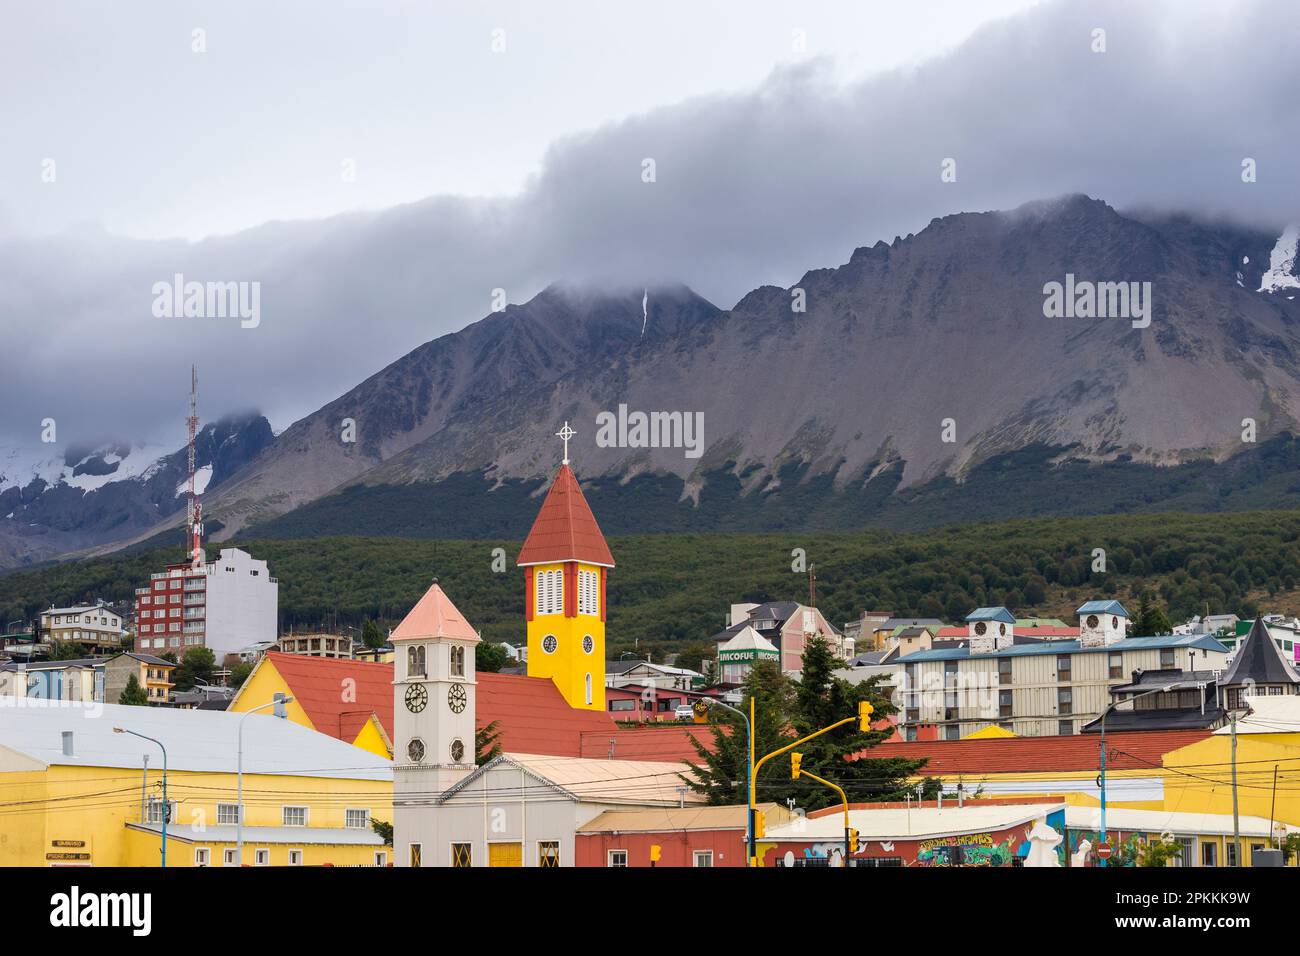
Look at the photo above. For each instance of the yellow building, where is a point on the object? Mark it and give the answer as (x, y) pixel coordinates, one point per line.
(566, 566)
(77, 793)
(349, 700)
(1198, 777)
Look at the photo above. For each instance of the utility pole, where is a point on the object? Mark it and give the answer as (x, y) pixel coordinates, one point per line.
(1236, 823)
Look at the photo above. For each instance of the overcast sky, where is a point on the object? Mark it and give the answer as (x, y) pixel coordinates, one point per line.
(524, 166)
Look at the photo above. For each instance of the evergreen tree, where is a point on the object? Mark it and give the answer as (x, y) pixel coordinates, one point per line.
(133, 695)
(722, 772)
(487, 742)
(371, 635)
(489, 656)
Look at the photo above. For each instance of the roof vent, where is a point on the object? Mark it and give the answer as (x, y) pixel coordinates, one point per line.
(67, 744)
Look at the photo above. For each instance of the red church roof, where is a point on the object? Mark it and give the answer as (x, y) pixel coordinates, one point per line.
(565, 529)
(317, 684)
(532, 715)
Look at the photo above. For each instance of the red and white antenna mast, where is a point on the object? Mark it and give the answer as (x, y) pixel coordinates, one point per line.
(194, 518)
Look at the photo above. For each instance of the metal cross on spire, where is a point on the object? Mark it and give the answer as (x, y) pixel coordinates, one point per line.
(566, 433)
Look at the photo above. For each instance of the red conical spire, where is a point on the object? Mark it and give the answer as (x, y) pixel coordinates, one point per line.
(565, 529)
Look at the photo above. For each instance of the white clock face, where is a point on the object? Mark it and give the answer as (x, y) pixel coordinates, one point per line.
(457, 698)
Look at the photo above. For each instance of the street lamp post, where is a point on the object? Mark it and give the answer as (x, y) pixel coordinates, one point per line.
(1157, 690)
(166, 806)
(278, 703)
(707, 702)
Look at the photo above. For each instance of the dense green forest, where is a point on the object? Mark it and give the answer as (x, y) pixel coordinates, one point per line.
(673, 589)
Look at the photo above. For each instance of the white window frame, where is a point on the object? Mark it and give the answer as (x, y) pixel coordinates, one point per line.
(229, 857)
(234, 807)
(702, 855)
(202, 856)
(292, 851)
(549, 591)
(284, 815)
(365, 821)
(381, 858)
(262, 856)
(610, 857)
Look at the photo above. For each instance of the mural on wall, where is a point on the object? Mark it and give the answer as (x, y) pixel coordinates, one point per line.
(968, 849)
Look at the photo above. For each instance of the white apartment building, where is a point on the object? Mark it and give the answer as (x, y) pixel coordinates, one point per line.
(224, 605)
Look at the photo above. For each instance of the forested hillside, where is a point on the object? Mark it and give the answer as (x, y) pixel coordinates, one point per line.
(671, 590)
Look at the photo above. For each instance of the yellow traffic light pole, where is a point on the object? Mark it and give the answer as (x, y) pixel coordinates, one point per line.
(797, 771)
(865, 711)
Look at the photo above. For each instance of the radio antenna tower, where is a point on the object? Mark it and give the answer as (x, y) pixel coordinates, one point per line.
(194, 517)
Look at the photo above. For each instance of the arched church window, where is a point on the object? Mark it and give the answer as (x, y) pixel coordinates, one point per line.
(415, 661)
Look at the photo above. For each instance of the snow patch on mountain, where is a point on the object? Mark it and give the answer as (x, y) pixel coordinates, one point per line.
(1281, 272)
(201, 478)
(19, 467)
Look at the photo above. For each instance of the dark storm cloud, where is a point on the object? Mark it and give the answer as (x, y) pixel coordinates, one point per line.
(750, 189)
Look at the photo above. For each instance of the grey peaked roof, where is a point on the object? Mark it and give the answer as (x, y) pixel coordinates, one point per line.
(1259, 660)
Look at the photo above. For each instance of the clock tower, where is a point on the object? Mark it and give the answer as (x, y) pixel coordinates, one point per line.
(433, 717)
(566, 565)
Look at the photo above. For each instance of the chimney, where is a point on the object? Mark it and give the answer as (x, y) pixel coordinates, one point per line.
(67, 744)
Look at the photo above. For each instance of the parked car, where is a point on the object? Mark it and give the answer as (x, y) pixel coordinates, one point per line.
(684, 712)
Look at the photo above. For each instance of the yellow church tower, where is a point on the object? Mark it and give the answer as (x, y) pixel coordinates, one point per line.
(566, 566)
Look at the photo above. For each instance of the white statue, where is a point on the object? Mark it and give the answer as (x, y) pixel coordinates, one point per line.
(1043, 841)
(1080, 856)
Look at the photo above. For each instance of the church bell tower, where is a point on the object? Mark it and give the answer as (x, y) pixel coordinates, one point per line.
(433, 719)
(566, 566)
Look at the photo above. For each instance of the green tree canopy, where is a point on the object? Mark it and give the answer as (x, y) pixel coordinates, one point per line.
(133, 695)
(196, 667)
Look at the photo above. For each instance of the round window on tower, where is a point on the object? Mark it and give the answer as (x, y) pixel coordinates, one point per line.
(1002, 629)
(415, 750)
(1092, 620)
(549, 643)
(457, 750)
(588, 645)
(1114, 623)
(980, 628)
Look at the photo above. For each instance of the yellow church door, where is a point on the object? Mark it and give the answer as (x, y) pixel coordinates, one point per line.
(505, 854)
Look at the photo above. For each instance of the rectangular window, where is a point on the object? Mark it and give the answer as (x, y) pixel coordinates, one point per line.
(1004, 703)
(461, 855)
(414, 851)
(703, 858)
(548, 853)
(202, 856)
(1116, 662)
(1063, 667)
(295, 857)
(227, 814)
(356, 819)
(227, 857)
(914, 715)
(1064, 701)
(458, 662)
(262, 858)
(617, 858)
(1230, 853)
(622, 705)
(1167, 659)
(550, 592)
(1209, 854)
(1004, 670)
(952, 732)
(1065, 728)
(294, 816)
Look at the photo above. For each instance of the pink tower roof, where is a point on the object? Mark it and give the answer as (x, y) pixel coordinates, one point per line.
(434, 616)
(565, 529)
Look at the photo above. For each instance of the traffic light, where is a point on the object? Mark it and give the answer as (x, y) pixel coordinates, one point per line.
(655, 851)
(865, 710)
(853, 841)
(700, 711)
(760, 829)
(795, 761)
